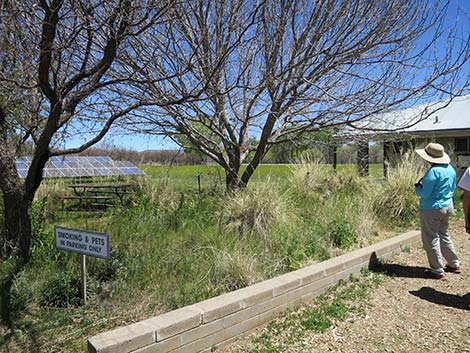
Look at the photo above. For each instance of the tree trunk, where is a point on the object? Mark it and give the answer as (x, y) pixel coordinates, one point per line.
(232, 180)
(232, 170)
(17, 223)
(16, 250)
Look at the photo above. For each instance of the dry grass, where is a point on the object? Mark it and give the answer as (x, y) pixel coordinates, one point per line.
(400, 313)
(158, 191)
(308, 175)
(259, 209)
(396, 199)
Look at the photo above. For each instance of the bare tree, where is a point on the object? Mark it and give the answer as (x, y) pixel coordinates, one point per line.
(278, 68)
(59, 76)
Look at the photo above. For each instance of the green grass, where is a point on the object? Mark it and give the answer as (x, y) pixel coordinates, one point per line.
(188, 173)
(172, 246)
(337, 304)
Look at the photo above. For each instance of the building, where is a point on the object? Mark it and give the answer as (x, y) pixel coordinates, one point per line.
(444, 122)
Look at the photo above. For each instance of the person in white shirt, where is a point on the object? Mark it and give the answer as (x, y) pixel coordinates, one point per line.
(464, 184)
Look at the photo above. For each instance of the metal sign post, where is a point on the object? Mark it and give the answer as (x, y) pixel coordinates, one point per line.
(85, 243)
(199, 182)
(83, 275)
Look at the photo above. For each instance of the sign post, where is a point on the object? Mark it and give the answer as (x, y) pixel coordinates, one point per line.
(85, 243)
(83, 275)
(199, 182)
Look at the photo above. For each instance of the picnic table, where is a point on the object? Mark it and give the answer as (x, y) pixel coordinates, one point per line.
(98, 195)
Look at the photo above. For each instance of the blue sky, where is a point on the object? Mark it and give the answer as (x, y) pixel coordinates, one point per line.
(147, 142)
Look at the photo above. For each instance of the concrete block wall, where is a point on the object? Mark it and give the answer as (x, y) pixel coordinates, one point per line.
(215, 322)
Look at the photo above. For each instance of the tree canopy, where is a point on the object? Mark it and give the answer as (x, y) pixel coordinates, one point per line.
(277, 69)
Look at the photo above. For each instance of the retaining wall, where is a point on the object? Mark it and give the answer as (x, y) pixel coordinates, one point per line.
(206, 325)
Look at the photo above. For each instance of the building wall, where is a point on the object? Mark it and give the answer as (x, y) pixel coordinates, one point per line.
(460, 161)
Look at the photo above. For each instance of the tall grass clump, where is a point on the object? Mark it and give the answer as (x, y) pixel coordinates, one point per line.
(256, 209)
(396, 199)
(234, 269)
(156, 191)
(309, 176)
(52, 189)
(335, 204)
(311, 179)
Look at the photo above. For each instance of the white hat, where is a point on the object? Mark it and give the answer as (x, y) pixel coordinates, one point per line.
(434, 153)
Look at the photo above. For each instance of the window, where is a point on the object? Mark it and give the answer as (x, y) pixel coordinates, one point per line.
(462, 145)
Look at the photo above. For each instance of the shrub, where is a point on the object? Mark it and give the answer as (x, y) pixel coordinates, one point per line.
(157, 192)
(233, 270)
(342, 233)
(257, 209)
(301, 249)
(396, 199)
(61, 291)
(309, 176)
(106, 270)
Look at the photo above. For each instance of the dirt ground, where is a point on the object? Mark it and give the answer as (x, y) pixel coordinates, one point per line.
(406, 313)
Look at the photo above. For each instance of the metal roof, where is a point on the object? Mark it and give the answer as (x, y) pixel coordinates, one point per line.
(438, 118)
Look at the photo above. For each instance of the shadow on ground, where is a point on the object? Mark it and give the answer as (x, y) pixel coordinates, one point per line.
(437, 297)
(426, 293)
(395, 270)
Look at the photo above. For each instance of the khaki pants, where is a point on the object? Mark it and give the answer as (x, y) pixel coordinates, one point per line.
(436, 240)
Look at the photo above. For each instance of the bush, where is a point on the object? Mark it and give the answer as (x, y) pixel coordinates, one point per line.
(106, 270)
(258, 209)
(302, 248)
(42, 242)
(342, 234)
(61, 291)
(309, 177)
(396, 199)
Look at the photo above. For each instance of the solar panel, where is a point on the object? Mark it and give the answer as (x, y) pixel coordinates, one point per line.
(77, 166)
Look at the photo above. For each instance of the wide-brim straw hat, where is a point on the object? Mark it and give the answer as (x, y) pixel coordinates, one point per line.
(434, 153)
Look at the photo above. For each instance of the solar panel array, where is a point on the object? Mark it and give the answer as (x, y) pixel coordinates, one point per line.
(78, 166)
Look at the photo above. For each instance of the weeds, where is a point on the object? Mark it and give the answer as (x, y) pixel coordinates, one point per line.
(176, 246)
(396, 198)
(259, 209)
(324, 312)
(62, 291)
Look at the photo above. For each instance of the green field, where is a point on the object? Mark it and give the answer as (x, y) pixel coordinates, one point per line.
(211, 174)
(172, 245)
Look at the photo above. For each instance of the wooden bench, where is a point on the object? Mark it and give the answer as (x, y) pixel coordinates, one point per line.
(119, 193)
(118, 190)
(94, 200)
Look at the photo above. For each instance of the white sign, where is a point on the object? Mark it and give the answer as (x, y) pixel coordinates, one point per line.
(82, 241)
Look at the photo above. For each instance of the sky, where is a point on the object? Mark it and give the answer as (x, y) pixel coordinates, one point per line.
(142, 142)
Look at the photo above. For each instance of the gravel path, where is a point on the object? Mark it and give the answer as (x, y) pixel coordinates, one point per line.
(405, 313)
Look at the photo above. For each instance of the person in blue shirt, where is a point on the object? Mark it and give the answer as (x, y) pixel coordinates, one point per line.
(435, 191)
